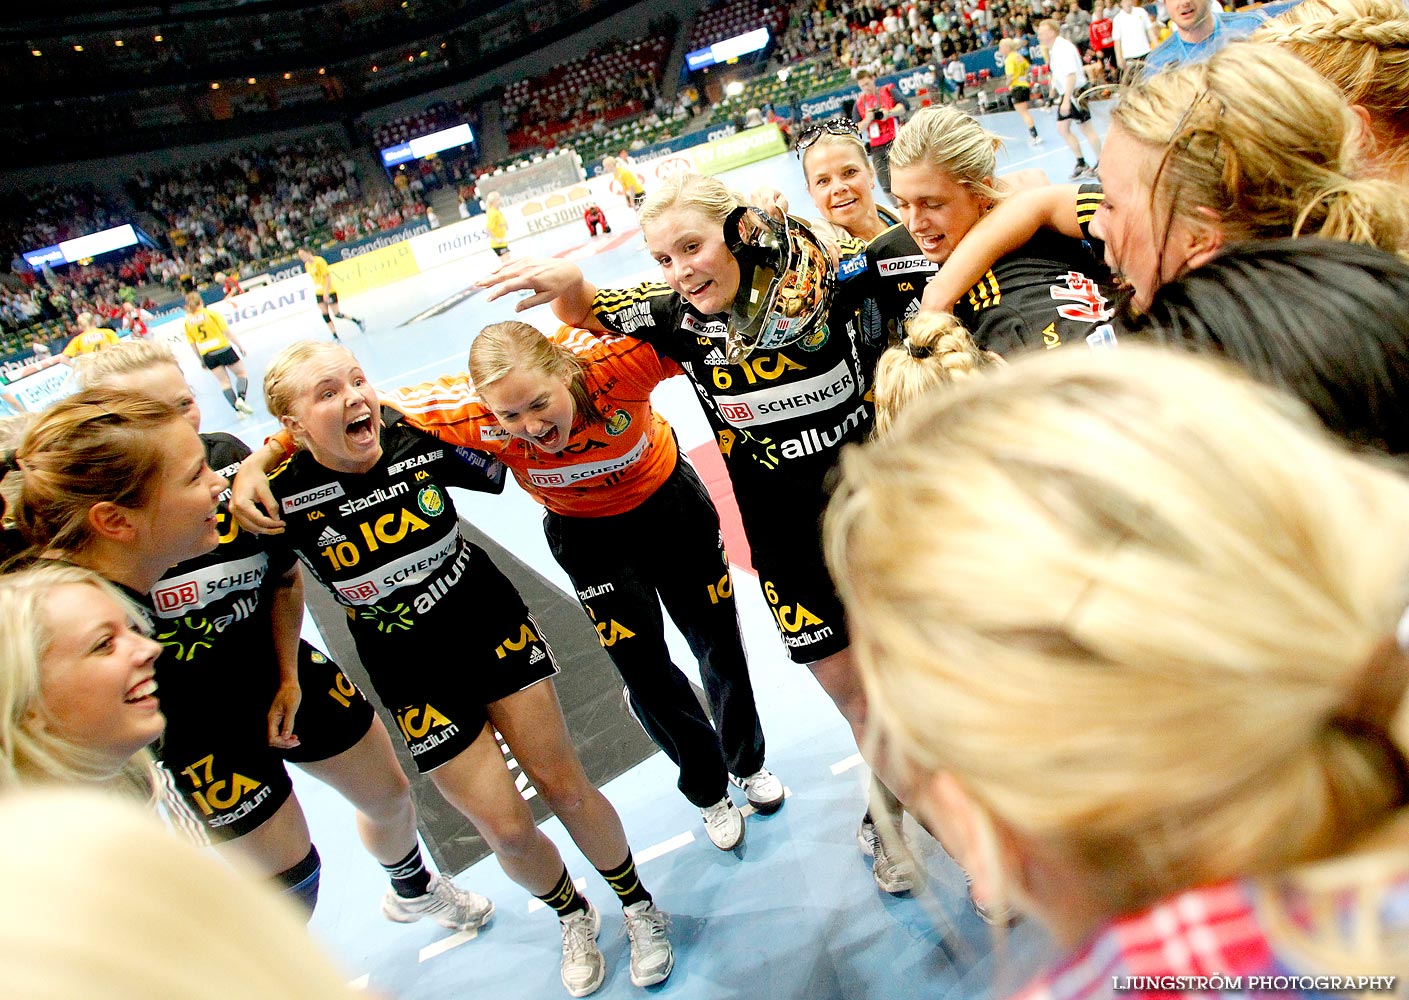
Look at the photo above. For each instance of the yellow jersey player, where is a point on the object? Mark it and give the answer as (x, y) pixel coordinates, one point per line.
(631, 185)
(215, 345)
(496, 225)
(91, 337)
(322, 275)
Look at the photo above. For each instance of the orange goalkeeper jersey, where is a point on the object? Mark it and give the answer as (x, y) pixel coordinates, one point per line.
(606, 468)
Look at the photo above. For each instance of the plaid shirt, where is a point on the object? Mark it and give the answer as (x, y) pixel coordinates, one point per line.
(1213, 931)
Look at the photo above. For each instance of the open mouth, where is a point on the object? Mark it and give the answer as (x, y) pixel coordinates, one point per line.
(548, 440)
(699, 290)
(361, 430)
(929, 244)
(840, 206)
(141, 692)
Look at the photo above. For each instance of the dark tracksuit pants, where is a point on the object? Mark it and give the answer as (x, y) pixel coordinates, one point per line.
(669, 551)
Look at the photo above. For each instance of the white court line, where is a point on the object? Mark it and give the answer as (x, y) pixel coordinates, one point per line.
(665, 847)
(445, 944)
(360, 983)
(842, 766)
(535, 904)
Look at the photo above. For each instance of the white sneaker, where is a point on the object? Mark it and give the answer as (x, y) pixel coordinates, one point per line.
(446, 903)
(244, 407)
(583, 965)
(724, 824)
(1034, 140)
(763, 790)
(652, 958)
(892, 867)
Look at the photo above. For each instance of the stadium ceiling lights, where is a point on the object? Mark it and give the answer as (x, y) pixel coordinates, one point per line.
(35, 52)
(215, 86)
(117, 42)
(156, 38)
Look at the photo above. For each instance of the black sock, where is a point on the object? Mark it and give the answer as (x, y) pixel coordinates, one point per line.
(301, 881)
(1033, 130)
(409, 876)
(564, 897)
(625, 882)
(229, 395)
(241, 386)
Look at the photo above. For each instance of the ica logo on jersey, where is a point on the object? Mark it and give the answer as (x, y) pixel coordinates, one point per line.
(233, 798)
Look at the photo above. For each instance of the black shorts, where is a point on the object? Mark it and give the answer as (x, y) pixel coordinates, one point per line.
(223, 358)
(217, 747)
(1019, 94)
(501, 251)
(637, 198)
(436, 670)
(326, 298)
(1078, 112)
(787, 555)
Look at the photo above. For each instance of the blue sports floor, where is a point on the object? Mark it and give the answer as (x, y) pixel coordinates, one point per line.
(794, 913)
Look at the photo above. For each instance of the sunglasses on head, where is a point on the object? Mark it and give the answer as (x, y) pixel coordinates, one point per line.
(834, 126)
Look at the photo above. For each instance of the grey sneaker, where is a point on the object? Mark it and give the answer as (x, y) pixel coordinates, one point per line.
(652, 958)
(892, 867)
(583, 965)
(724, 824)
(446, 903)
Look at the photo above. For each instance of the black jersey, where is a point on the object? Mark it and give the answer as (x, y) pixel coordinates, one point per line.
(785, 411)
(214, 609)
(1053, 291)
(896, 275)
(385, 543)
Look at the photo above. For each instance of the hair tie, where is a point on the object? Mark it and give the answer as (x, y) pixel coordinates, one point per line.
(917, 351)
(9, 462)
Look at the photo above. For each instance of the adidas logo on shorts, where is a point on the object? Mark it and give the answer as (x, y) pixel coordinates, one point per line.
(330, 537)
(536, 655)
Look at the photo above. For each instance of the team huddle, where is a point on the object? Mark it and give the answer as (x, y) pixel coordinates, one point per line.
(1047, 486)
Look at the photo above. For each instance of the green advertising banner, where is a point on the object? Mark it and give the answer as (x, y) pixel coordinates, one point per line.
(734, 151)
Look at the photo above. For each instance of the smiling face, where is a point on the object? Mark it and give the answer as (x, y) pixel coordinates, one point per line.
(936, 209)
(179, 518)
(1138, 246)
(164, 383)
(694, 261)
(336, 413)
(842, 181)
(97, 686)
(533, 406)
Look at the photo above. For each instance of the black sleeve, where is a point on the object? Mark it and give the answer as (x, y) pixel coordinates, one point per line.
(1004, 331)
(650, 312)
(1088, 200)
(466, 468)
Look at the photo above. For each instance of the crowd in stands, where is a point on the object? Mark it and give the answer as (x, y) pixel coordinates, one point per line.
(49, 213)
(235, 214)
(736, 18)
(437, 116)
(617, 81)
(252, 205)
(893, 38)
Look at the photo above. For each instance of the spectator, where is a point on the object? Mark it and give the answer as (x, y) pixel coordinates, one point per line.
(1068, 79)
(1132, 36)
(1200, 30)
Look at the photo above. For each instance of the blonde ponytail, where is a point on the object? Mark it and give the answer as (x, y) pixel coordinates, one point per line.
(937, 350)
